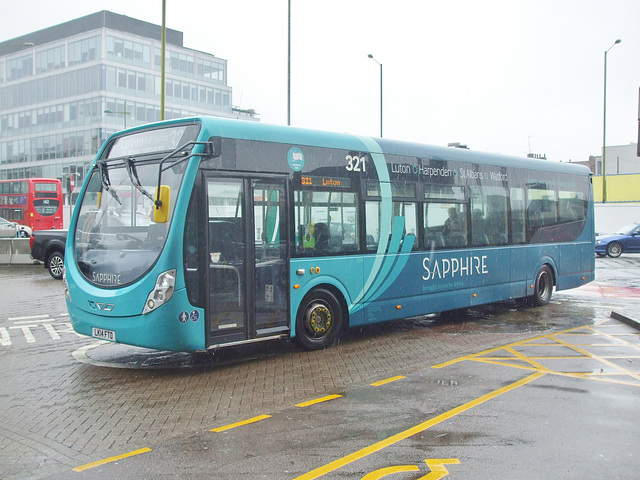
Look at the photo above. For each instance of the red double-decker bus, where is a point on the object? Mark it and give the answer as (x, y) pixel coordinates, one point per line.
(34, 202)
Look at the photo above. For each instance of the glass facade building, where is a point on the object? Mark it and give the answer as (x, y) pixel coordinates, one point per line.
(66, 88)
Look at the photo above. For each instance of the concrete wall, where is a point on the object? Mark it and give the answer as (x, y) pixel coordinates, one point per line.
(14, 251)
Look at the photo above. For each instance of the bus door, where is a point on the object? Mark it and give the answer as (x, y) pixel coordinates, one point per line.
(247, 255)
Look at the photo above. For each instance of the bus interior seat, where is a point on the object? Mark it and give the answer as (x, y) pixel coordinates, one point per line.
(481, 239)
(518, 238)
(457, 240)
(323, 237)
(434, 239)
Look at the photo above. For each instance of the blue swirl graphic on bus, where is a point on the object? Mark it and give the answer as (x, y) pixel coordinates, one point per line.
(388, 264)
(295, 158)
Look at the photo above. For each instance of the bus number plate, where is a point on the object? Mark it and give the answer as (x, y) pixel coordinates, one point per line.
(103, 334)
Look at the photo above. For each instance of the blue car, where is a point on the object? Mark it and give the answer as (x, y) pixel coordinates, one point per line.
(626, 239)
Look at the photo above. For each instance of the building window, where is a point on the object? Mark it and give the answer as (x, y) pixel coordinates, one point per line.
(50, 59)
(19, 67)
(128, 51)
(85, 50)
(210, 70)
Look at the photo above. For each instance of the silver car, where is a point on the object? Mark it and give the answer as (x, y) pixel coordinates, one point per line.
(11, 229)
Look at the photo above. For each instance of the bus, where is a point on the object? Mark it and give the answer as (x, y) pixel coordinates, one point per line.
(198, 233)
(34, 202)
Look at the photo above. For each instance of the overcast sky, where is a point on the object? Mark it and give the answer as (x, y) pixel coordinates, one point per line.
(498, 75)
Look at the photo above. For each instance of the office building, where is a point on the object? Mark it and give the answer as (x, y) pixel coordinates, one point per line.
(66, 88)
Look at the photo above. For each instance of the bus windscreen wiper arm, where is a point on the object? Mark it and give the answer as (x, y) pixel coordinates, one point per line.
(106, 183)
(133, 176)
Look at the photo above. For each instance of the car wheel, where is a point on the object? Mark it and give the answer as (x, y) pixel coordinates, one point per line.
(614, 249)
(543, 287)
(55, 265)
(319, 320)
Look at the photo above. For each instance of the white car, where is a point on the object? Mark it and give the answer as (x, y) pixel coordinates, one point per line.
(11, 229)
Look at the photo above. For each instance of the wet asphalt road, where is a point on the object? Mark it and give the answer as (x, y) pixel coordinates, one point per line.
(495, 392)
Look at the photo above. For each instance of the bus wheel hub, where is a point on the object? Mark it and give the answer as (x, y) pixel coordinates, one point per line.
(319, 318)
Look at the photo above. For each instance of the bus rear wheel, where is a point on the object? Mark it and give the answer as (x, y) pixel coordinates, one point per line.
(319, 320)
(543, 287)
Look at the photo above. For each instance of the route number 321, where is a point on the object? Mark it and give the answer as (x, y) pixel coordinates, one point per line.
(356, 164)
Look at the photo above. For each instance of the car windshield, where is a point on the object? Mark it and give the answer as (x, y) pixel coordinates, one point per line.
(628, 229)
(116, 240)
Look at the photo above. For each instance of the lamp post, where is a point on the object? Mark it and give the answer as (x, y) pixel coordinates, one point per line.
(23, 45)
(371, 57)
(289, 64)
(70, 184)
(163, 49)
(604, 127)
(125, 113)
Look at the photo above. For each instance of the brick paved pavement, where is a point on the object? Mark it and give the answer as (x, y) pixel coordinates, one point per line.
(57, 413)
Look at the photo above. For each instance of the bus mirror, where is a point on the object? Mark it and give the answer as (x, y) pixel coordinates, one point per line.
(161, 212)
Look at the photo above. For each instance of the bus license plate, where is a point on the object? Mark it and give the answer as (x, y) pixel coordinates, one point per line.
(103, 334)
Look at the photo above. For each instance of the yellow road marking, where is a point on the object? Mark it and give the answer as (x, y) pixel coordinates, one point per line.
(336, 464)
(388, 380)
(520, 343)
(578, 352)
(240, 424)
(602, 360)
(383, 472)
(318, 400)
(616, 337)
(437, 467)
(526, 359)
(82, 468)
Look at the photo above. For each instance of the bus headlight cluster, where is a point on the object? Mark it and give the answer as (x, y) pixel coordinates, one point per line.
(162, 292)
(65, 286)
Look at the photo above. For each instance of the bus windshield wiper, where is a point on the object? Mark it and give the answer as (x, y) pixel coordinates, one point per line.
(133, 176)
(106, 183)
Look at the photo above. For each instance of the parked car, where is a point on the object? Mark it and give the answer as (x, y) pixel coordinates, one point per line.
(48, 246)
(12, 229)
(626, 239)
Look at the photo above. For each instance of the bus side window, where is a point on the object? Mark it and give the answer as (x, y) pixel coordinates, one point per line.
(516, 199)
(372, 228)
(408, 211)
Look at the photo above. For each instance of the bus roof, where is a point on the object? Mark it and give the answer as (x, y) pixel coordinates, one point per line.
(244, 130)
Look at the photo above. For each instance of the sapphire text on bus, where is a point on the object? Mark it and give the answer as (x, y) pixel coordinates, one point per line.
(444, 268)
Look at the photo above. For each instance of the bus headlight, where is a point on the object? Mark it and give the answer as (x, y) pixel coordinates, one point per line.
(162, 292)
(65, 286)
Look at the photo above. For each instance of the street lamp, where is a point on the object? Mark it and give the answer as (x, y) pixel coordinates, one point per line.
(289, 64)
(25, 44)
(125, 113)
(604, 127)
(371, 57)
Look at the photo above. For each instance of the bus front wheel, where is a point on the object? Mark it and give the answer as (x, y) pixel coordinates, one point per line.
(319, 320)
(543, 287)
